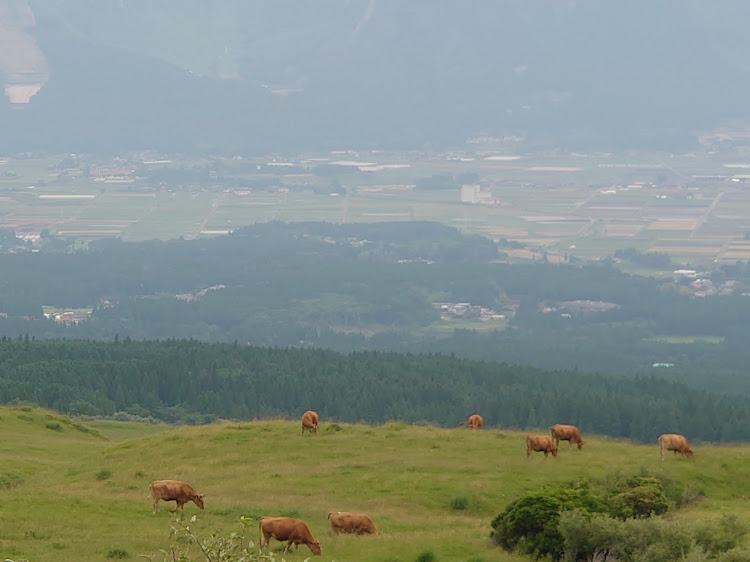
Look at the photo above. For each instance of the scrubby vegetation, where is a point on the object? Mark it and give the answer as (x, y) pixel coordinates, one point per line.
(617, 519)
(187, 546)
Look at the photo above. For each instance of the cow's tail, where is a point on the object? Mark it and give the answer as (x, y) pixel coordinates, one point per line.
(150, 492)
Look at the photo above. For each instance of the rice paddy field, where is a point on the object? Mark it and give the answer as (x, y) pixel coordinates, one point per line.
(695, 208)
(77, 490)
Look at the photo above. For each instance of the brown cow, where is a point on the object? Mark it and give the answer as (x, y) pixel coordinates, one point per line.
(169, 490)
(567, 433)
(475, 421)
(346, 522)
(541, 443)
(676, 443)
(293, 531)
(310, 422)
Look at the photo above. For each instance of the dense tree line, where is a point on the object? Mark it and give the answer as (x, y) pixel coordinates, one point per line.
(189, 381)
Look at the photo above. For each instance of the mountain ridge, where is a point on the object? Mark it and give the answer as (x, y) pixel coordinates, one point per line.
(382, 74)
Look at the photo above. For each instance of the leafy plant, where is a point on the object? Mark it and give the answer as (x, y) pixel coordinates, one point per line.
(426, 556)
(644, 497)
(10, 481)
(602, 537)
(459, 503)
(187, 546)
(103, 474)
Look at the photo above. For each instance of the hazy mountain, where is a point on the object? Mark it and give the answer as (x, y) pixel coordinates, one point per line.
(290, 74)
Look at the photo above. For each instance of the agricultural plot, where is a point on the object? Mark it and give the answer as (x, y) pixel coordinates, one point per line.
(581, 205)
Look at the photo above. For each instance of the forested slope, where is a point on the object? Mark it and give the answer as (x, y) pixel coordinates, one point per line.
(358, 287)
(374, 287)
(189, 381)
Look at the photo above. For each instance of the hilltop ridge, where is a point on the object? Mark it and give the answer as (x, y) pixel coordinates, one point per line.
(404, 476)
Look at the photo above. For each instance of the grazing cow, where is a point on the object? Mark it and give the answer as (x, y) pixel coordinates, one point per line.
(293, 531)
(169, 490)
(346, 522)
(676, 443)
(475, 421)
(567, 433)
(310, 422)
(541, 443)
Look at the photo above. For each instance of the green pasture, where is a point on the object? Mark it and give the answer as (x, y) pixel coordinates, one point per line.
(77, 491)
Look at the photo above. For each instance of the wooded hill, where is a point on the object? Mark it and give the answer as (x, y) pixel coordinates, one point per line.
(193, 382)
(356, 287)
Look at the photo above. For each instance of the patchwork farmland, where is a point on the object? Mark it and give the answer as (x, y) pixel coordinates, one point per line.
(697, 210)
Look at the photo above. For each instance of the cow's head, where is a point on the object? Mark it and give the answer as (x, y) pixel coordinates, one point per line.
(580, 444)
(554, 451)
(315, 547)
(198, 499)
(689, 453)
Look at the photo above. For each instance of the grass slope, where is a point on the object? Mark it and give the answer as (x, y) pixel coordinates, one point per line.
(78, 492)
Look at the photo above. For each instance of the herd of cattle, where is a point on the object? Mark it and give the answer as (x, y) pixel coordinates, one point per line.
(295, 531)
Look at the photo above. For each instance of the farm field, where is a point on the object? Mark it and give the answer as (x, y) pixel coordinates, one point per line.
(77, 490)
(694, 208)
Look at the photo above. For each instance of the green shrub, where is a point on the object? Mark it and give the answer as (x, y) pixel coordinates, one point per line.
(53, 425)
(586, 536)
(103, 474)
(530, 524)
(426, 556)
(333, 427)
(722, 534)
(10, 480)
(735, 555)
(459, 503)
(118, 553)
(643, 497)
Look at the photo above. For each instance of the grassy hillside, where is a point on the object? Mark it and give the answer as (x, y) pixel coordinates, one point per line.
(72, 491)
